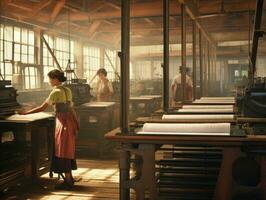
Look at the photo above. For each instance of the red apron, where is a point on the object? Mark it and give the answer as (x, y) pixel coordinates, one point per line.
(65, 135)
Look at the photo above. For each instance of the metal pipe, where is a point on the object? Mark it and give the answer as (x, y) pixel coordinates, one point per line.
(124, 68)
(125, 25)
(124, 166)
(194, 43)
(201, 64)
(183, 51)
(166, 55)
(209, 68)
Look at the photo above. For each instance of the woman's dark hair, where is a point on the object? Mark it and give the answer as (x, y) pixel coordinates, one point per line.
(102, 71)
(57, 74)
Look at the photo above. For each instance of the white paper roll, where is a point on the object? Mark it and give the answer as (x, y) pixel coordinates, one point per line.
(191, 117)
(219, 98)
(214, 100)
(207, 102)
(187, 128)
(226, 110)
(189, 134)
(208, 107)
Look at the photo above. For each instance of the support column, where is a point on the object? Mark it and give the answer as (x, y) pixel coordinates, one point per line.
(194, 43)
(125, 43)
(201, 64)
(183, 52)
(209, 68)
(166, 55)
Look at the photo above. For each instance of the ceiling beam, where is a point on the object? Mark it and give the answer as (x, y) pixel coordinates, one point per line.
(56, 10)
(93, 27)
(147, 9)
(193, 12)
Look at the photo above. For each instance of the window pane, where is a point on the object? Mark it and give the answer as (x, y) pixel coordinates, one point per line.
(8, 33)
(31, 37)
(24, 36)
(24, 49)
(8, 50)
(17, 34)
(1, 31)
(24, 58)
(31, 50)
(8, 68)
(17, 57)
(31, 58)
(17, 48)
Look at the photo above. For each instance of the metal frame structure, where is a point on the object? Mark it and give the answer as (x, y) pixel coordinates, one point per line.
(183, 51)
(166, 55)
(257, 33)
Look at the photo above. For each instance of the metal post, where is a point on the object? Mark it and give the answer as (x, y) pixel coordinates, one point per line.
(124, 166)
(124, 56)
(166, 55)
(215, 63)
(201, 64)
(257, 33)
(209, 68)
(125, 25)
(183, 51)
(205, 68)
(194, 43)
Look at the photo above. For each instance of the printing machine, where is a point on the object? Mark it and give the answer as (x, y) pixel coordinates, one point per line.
(8, 98)
(254, 100)
(80, 90)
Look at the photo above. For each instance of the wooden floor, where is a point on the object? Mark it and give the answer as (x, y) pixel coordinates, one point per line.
(97, 179)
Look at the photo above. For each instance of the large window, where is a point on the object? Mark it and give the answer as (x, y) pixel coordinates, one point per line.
(23, 51)
(6, 39)
(110, 63)
(31, 78)
(23, 45)
(48, 61)
(91, 61)
(63, 51)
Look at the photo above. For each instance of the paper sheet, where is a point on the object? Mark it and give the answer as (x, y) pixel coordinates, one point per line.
(226, 110)
(30, 117)
(208, 107)
(189, 117)
(194, 134)
(214, 101)
(218, 98)
(187, 128)
(98, 104)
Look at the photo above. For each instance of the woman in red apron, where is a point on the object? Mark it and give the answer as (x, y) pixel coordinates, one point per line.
(65, 129)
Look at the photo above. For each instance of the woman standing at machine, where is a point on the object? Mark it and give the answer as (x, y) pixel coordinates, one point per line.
(104, 87)
(65, 129)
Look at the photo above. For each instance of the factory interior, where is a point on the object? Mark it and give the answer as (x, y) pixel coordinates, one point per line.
(133, 99)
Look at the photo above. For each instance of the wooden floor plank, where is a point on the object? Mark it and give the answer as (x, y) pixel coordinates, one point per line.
(97, 179)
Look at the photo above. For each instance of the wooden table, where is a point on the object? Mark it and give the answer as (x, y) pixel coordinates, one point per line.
(145, 147)
(96, 119)
(140, 106)
(38, 131)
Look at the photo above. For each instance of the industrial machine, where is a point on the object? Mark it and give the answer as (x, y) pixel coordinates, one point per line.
(80, 91)
(254, 100)
(8, 98)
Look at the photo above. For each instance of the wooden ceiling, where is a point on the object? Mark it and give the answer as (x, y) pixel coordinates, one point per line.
(99, 20)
